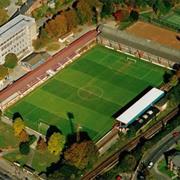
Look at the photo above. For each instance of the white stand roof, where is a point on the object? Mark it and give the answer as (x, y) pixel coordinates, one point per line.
(140, 106)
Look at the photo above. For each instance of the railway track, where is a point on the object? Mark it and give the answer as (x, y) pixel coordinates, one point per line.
(114, 158)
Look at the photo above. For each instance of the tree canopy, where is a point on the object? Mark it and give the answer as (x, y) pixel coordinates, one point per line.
(81, 154)
(11, 60)
(56, 143)
(18, 126)
(3, 72)
(3, 16)
(24, 148)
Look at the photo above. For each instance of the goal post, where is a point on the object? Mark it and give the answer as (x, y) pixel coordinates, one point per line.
(43, 127)
(132, 60)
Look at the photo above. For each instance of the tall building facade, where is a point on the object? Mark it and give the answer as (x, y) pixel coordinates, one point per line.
(16, 37)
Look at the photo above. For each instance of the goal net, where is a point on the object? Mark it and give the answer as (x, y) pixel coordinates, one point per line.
(131, 60)
(43, 127)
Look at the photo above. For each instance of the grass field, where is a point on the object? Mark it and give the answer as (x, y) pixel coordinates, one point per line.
(93, 88)
(173, 19)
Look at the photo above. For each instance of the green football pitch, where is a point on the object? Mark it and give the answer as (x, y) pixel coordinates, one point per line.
(91, 90)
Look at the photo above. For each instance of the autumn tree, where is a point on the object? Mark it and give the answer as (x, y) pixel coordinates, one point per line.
(81, 154)
(18, 126)
(3, 72)
(24, 136)
(3, 16)
(84, 11)
(57, 27)
(56, 143)
(52, 29)
(41, 144)
(62, 24)
(71, 18)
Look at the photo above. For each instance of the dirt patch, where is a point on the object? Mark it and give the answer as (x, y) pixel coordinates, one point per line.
(155, 33)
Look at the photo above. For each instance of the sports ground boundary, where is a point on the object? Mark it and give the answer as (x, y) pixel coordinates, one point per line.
(37, 77)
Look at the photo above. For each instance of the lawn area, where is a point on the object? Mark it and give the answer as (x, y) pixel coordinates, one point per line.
(92, 89)
(7, 138)
(171, 20)
(9, 142)
(163, 168)
(39, 163)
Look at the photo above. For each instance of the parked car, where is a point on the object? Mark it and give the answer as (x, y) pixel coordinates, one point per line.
(150, 165)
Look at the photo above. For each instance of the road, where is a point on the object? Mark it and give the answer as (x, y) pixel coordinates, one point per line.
(4, 176)
(14, 172)
(114, 158)
(157, 151)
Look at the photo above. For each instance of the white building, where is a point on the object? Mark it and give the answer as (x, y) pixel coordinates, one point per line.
(16, 37)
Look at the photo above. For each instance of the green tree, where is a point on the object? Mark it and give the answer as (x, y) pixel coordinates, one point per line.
(107, 9)
(11, 60)
(128, 163)
(3, 72)
(134, 15)
(56, 143)
(24, 148)
(81, 154)
(4, 3)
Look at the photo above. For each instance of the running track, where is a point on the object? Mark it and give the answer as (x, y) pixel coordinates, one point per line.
(60, 57)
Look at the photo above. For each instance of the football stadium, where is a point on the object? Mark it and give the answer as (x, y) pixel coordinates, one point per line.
(86, 93)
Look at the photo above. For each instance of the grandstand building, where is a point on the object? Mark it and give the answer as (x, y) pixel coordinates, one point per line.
(142, 48)
(139, 107)
(16, 37)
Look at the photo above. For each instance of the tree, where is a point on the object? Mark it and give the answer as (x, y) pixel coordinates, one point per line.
(3, 16)
(41, 144)
(134, 15)
(42, 40)
(4, 4)
(3, 72)
(57, 27)
(72, 19)
(24, 136)
(107, 9)
(81, 154)
(24, 148)
(84, 11)
(18, 126)
(128, 163)
(56, 143)
(11, 60)
(174, 80)
(118, 15)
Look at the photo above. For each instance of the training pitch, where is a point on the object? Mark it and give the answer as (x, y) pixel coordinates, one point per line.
(88, 92)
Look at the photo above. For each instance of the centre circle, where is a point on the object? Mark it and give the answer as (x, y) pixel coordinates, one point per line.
(90, 92)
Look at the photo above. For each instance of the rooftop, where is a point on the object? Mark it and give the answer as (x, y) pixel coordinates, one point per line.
(140, 106)
(34, 58)
(140, 43)
(15, 25)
